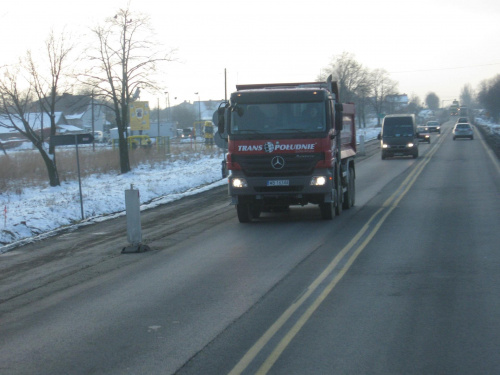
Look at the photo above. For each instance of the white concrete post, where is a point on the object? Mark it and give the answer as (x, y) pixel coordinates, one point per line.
(133, 212)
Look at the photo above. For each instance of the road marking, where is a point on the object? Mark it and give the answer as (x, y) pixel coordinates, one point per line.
(389, 205)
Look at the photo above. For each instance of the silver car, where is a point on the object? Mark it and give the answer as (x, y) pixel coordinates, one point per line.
(463, 130)
(433, 126)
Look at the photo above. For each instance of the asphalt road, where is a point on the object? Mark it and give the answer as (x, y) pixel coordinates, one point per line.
(405, 282)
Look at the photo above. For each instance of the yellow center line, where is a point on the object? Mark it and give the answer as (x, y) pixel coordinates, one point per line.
(392, 203)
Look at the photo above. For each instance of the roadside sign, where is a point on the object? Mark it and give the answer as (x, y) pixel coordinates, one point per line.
(71, 139)
(74, 139)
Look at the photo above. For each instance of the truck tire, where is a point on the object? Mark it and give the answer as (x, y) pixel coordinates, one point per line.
(327, 210)
(244, 213)
(350, 194)
(255, 211)
(339, 193)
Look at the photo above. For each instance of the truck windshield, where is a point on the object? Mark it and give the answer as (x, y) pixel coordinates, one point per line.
(278, 118)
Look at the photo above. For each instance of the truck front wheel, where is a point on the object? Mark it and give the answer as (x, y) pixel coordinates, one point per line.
(244, 212)
(327, 210)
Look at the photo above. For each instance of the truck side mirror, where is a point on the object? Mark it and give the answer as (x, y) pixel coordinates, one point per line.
(338, 117)
(220, 119)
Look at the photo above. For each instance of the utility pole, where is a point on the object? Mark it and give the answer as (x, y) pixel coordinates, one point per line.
(158, 136)
(92, 112)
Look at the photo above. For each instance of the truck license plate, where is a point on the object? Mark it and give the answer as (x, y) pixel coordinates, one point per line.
(278, 183)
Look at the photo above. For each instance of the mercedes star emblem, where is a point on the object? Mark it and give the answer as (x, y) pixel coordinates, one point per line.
(278, 162)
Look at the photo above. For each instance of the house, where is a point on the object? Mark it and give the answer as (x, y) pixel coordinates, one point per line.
(78, 110)
(40, 123)
(397, 103)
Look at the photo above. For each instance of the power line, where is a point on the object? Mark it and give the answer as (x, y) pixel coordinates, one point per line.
(437, 69)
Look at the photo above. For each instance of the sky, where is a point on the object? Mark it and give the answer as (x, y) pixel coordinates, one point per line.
(426, 46)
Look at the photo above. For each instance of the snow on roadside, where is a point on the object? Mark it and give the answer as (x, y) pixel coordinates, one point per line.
(39, 211)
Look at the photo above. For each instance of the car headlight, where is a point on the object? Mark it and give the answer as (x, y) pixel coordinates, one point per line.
(384, 145)
(318, 181)
(410, 145)
(239, 183)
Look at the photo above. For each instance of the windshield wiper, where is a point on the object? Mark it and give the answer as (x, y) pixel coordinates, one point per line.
(252, 131)
(292, 129)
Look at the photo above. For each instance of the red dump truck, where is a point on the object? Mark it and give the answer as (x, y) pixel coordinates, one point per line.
(289, 144)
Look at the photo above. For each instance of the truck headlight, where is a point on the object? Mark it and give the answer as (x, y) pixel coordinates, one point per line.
(239, 183)
(410, 145)
(318, 181)
(384, 145)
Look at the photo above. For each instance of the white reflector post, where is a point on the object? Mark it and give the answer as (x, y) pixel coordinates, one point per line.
(133, 211)
(361, 149)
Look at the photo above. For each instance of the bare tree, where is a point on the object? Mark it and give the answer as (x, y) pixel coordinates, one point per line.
(28, 83)
(414, 105)
(467, 96)
(381, 86)
(125, 62)
(352, 77)
(489, 96)
(353, 80)
(15, 105)
(48, 87)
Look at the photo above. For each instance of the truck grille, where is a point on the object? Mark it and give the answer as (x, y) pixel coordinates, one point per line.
(294, 164)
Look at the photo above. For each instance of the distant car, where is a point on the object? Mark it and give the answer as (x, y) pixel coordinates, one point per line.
(99, 136)
(463, 130)
(423, 134)
(433, 126)
(462, 120)
(187, 133)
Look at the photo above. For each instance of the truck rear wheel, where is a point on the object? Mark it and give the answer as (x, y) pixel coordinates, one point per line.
(350, 194)
(339, 193)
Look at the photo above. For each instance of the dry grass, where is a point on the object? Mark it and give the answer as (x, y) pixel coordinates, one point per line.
(27, 169)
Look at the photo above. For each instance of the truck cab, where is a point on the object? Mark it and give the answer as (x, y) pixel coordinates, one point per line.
(285, 147)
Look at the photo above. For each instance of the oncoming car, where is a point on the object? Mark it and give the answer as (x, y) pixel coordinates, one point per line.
(463, 130)
(433, 126)
(187, 133)
(399, 136)
(423, 134)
